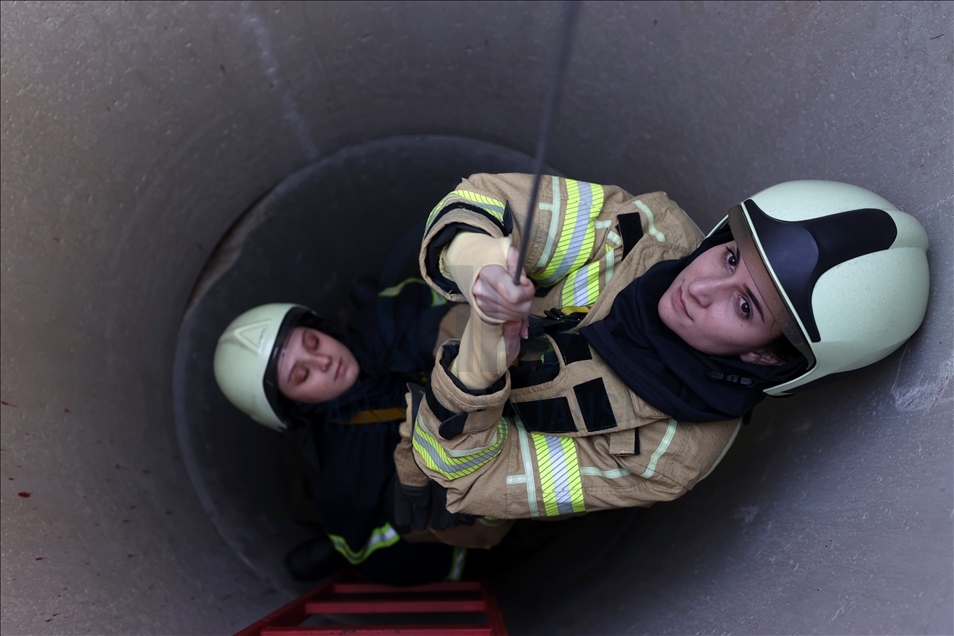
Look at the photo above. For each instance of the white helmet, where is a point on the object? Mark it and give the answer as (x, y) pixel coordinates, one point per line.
(246, 359)
(843, 272)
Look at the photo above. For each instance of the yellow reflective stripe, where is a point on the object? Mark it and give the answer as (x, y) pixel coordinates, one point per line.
(437, 208)
(491, 206)
(559, 467)
(394, 290)
(582, 287)
(371, 416)
(574, 309)
(583, 205)
(455, 464)
(650, 221)
(436, 299)
(383, 537)
(662, 448)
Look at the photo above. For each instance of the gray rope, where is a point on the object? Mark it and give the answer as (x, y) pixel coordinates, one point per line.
(571, 10)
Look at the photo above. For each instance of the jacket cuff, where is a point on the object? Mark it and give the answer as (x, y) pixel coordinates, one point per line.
(457, 398)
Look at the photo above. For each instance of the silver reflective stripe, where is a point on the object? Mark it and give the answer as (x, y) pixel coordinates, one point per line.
(554, 209)
(577, 235)
(561, 475)
(527, 477)
(660, 450)
(650, 221)
(615, 473)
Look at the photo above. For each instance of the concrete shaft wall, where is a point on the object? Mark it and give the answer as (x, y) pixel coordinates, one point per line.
(134, 134)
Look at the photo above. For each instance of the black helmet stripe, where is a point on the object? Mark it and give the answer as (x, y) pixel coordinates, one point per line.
(800, 252)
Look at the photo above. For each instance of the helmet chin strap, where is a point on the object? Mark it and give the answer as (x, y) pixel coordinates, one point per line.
(571, 10)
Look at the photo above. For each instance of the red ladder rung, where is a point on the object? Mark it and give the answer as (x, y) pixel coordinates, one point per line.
(381, 630)
(286, 621)
(377, 588)
(402, 606)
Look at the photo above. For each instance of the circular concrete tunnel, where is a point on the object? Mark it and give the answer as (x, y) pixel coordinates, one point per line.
(136, 135)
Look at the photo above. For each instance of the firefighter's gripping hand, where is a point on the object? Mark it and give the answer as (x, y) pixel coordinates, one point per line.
(497, 296)
(511, 303)
(418, 508)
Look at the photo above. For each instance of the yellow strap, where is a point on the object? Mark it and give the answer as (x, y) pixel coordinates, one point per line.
(377, 415)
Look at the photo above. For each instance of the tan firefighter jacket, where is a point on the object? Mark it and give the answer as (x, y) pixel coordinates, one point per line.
(603, 446)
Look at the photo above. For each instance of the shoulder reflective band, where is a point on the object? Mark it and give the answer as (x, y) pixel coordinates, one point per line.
(575, 242)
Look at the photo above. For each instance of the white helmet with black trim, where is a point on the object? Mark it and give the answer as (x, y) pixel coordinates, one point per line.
(247, 355)
(842, 270)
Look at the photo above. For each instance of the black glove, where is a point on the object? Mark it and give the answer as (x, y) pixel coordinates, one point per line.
(417, 507)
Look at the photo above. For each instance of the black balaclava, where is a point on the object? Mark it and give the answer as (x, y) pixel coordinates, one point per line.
(391, 339)
(665, 371)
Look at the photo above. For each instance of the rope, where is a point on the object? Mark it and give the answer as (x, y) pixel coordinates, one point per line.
(571, 10)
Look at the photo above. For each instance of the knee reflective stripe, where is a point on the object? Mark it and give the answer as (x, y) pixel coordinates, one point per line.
(559, 468)
(583, 205)
(458, 560)
(383, 537)
(454, 464)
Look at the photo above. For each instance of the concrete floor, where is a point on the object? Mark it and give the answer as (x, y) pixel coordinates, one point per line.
(135, 134)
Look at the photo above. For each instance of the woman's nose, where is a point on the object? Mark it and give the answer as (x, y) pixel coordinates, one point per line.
(322, 361)
(705, 289)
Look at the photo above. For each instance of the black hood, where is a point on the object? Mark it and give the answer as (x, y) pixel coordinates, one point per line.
(392, 340)
(665, 371)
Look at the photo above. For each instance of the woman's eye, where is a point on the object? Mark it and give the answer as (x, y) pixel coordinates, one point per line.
(731, 258)
(311, 342)
(745, 308)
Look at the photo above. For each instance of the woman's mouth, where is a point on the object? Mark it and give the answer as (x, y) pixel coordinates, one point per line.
(339, 370)
(681, 304)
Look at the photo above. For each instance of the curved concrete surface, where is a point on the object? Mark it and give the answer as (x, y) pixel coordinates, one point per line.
(134, 135)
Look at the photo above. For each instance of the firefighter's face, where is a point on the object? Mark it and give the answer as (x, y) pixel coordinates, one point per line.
(714, 306)
(314, 367)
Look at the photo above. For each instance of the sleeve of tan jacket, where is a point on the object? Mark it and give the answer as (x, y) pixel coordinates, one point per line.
(581, 232)
(580, 237)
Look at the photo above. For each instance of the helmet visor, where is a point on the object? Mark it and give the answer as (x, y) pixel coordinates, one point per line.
(771, 294)
(270, 379)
